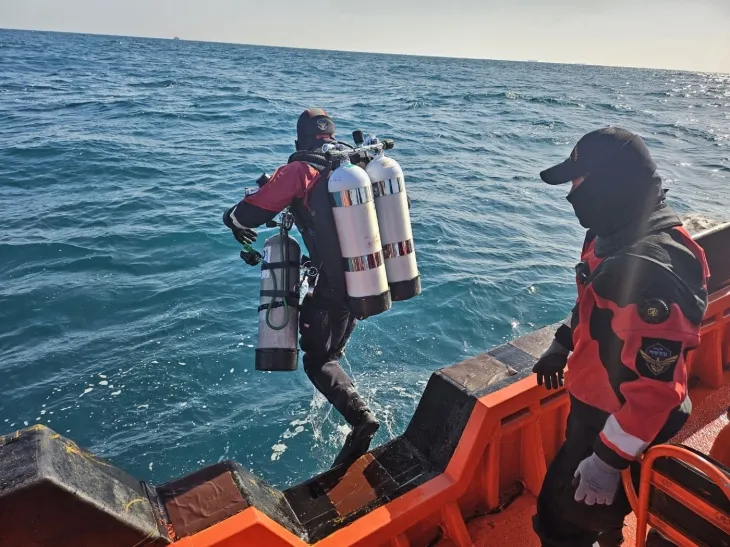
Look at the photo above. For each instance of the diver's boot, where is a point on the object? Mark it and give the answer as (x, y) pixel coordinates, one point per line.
(358, 440)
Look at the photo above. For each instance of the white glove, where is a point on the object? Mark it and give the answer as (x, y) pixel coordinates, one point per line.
(598, 481)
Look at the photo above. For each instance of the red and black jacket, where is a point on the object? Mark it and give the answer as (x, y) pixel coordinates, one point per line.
(302, 187)
(640, 303)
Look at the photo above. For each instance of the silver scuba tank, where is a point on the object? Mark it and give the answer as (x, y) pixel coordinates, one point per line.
(277, 347)
(394, 221)
(351, 196)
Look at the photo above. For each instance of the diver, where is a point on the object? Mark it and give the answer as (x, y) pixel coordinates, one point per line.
(642, 293)
(325, 320)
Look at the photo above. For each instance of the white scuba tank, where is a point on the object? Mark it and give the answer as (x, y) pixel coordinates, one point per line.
(277, 347)
(394, 221)
(351, 196)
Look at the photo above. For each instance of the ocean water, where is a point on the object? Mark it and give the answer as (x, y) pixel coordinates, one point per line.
(127, 320)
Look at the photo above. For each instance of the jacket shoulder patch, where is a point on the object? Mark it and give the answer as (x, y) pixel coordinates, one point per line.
(657, 358)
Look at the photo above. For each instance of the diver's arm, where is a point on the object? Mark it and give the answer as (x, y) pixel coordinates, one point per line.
(243, 213)
(285, 185)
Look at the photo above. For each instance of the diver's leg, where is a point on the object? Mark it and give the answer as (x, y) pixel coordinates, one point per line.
(559, 519)
(363, 421)
(342, 326)
(325, 328)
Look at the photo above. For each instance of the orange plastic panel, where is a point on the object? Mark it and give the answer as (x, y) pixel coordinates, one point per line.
(249, 527)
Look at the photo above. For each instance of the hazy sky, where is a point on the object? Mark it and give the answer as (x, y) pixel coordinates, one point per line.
(689, 34)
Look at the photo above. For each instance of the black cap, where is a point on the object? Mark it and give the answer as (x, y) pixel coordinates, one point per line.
(611, 149)
(315, 124)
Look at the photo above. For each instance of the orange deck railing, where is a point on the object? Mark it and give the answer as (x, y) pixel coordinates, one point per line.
(693, 500)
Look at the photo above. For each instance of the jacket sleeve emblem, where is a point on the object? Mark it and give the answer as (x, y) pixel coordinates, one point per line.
(657, 358)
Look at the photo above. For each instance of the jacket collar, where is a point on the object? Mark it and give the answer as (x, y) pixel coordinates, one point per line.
(662, 218)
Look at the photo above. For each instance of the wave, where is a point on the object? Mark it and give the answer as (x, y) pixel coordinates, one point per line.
(154, 84)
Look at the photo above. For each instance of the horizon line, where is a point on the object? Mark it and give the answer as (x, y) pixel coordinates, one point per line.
(360, 52)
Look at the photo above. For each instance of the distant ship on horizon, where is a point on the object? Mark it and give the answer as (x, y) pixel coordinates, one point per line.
(176, 38)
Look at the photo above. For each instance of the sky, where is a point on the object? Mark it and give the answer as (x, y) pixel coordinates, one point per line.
(676, 34)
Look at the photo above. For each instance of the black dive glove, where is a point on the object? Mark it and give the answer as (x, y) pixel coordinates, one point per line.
(550, 365)
(244, 236)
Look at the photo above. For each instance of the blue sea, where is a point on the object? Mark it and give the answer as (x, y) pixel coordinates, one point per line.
(127, 320)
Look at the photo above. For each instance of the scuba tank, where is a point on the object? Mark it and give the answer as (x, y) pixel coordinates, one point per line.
(277, 347)
(394, 221)
(351, 196)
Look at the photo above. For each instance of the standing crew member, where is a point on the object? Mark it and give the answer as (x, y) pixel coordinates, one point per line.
(325, 322)
(642, 293)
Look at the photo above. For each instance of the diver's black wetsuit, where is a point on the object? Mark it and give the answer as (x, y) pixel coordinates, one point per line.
(325, 322)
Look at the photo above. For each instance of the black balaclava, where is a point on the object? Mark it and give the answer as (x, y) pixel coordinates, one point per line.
(314, 128)
(608, 201)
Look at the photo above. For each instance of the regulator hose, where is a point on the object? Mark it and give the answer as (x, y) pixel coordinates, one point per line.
(315, 158)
